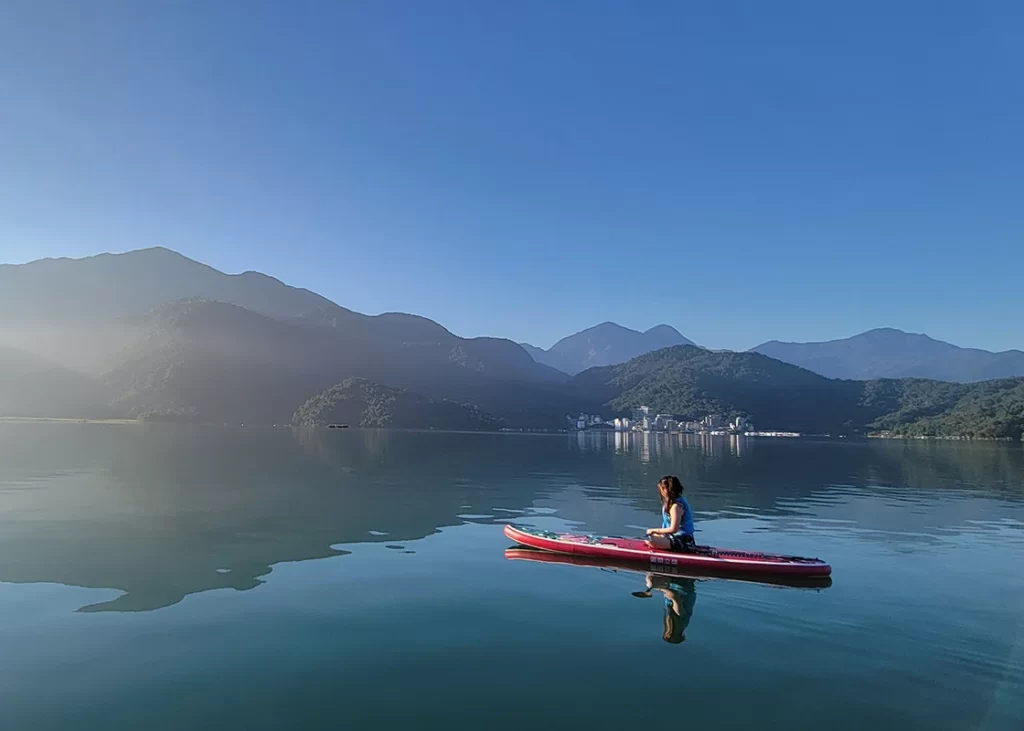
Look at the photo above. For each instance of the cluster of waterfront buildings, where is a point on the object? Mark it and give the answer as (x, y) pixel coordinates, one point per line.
(643, 420)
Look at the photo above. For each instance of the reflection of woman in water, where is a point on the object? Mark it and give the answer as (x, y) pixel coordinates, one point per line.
(680, 596)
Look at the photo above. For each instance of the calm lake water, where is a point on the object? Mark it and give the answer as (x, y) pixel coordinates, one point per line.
(161, 577)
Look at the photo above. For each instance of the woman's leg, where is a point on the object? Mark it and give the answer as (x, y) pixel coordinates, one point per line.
(662, 543)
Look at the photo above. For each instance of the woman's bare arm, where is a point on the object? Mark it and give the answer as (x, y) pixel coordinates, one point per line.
(675, 515)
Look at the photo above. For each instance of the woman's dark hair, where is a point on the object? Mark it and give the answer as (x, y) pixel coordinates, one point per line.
(671, 489)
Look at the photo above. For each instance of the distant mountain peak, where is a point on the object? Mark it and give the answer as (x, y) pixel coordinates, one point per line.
(607, 343)
(607, 326)
(148, 252)
(107, 286)
(663, 328)
(890, 332)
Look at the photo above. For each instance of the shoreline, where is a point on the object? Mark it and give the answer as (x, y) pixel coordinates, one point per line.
(930, 438)
(62, 420)
(876, 435)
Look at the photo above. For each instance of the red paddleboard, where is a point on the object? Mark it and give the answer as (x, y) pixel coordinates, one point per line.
(534, 555)
(703, 558)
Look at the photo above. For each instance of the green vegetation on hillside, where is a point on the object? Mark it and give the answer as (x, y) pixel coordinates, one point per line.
(690, 382)
(987, 410)
(897, 403)
(360, 402)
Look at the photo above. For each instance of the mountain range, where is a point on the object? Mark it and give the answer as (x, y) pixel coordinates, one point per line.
(604, 344)
(154, 335)
(890, 353)
(112, 285)
(83, 312)
(878, 353)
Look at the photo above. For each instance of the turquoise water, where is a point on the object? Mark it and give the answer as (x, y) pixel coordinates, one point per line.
(162, 577)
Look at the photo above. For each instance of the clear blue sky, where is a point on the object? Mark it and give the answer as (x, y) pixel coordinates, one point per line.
(742, 171)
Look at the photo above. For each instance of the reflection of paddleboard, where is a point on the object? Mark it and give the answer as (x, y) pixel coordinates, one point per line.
(520, 553)
(704, 558)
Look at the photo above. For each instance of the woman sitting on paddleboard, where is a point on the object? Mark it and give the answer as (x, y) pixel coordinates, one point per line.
(676, 531)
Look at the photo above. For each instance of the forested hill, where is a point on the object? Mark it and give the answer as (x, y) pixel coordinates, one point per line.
(691, 382)
(986, 410)
(359, 402)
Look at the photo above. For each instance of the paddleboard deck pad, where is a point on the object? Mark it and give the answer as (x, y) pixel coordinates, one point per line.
(703, 558)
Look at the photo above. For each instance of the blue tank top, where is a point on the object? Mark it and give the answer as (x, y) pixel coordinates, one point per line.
(685, 525)
(687, 597)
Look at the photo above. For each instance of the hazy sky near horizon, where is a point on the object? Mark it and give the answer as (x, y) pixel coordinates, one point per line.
(742, 171)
